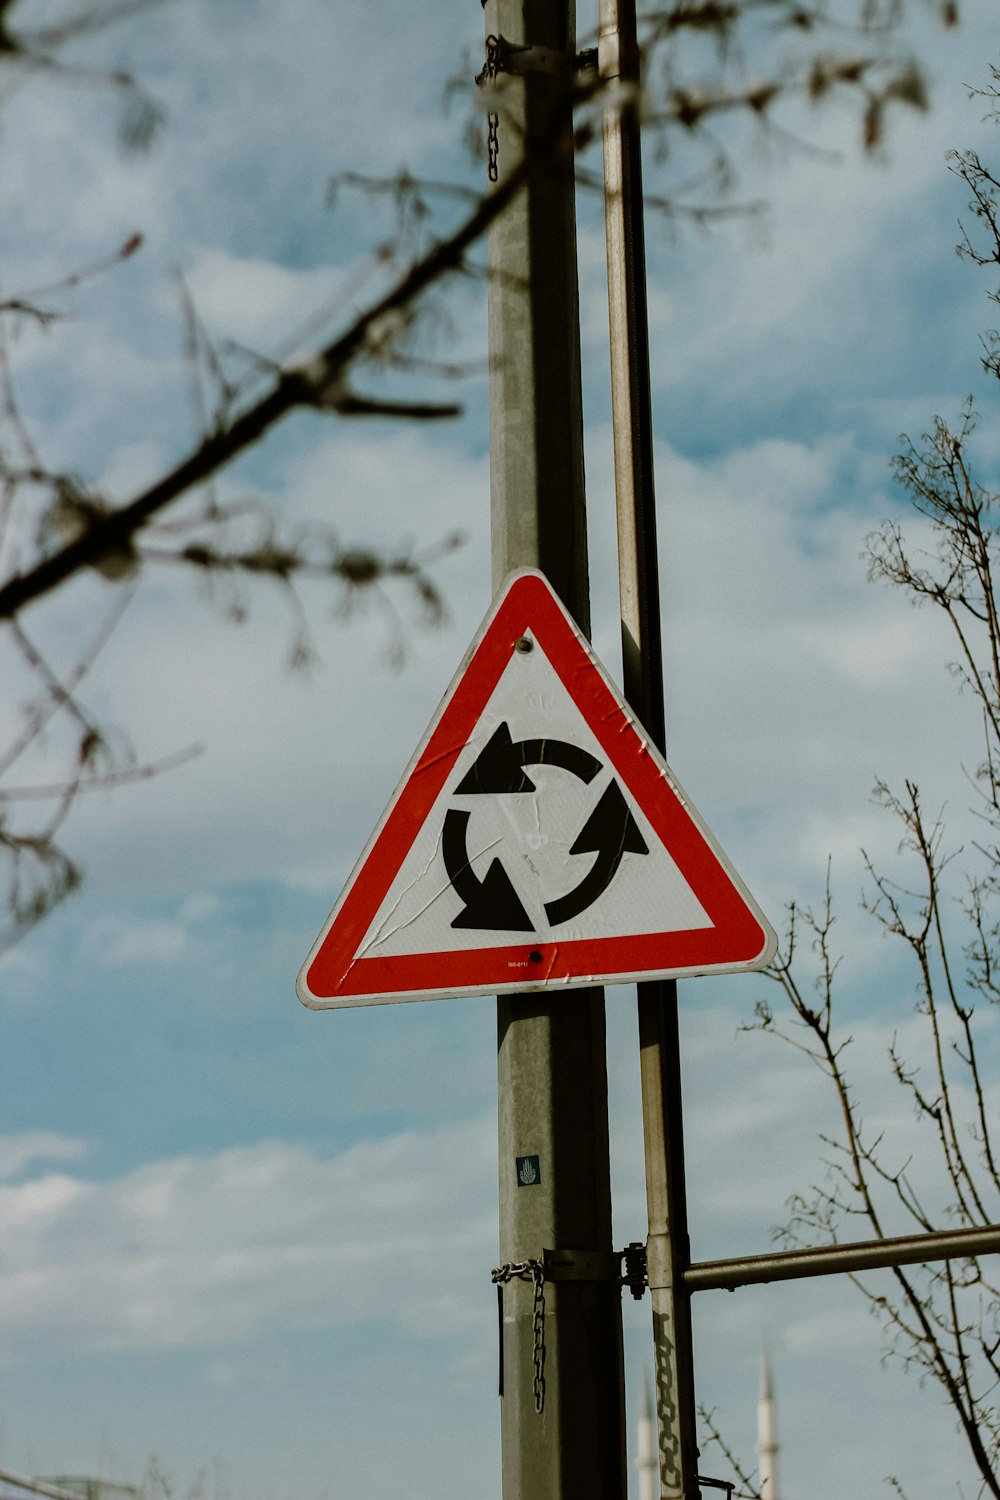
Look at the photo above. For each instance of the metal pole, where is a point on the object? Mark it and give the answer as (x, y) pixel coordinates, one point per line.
(38, 1486)
(668, 1249)
(828, 1260)
(552, 1069)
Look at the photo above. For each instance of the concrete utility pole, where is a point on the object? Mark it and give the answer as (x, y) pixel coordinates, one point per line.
(552, 1069)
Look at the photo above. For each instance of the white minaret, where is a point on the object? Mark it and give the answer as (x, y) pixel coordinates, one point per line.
(646, 1462)
(767, 1434)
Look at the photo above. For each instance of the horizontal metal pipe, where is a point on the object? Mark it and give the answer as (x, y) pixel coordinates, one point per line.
(38, 1486)
(828, 1260)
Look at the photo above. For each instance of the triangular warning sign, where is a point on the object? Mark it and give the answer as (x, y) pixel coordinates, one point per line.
(536, 841)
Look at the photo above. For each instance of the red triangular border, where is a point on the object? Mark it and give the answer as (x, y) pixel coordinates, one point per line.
(740, 937)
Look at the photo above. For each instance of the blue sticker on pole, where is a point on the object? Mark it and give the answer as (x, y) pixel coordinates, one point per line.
(528, 1171)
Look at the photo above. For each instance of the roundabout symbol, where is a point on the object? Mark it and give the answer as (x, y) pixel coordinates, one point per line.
(610, 832)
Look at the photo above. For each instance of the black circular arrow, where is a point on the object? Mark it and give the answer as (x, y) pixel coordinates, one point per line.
(611, 832)
(491, 902)
(499, 767)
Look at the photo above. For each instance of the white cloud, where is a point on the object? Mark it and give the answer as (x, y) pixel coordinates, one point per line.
(200, 906)
(193, 1252)
(257, 301)
(140, 942)
(18, 1152)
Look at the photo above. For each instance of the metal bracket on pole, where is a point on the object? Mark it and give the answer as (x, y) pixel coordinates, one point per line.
(634, 1272)
(508, 57)
(580, 1265)
(627, 1267)
(520, 60)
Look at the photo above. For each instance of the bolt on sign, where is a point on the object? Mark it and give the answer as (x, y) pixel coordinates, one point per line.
(537, 841)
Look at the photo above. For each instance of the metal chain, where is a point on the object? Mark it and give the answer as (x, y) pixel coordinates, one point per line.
(538, 1327)
(489, 76)
(533, 1271)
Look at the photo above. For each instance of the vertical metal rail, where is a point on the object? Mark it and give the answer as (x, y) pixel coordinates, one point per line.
(668, 1249)
(562, 1403)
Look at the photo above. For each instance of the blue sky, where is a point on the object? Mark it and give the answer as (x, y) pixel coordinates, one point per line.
(256, 1241)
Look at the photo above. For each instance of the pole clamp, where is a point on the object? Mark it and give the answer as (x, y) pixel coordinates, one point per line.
(517, 61)
(514, 58)
(581, 1265)
(520, 60)
(625, 1267)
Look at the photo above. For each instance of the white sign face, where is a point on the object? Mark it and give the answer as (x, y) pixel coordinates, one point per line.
(537, 840)
(531, 833)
